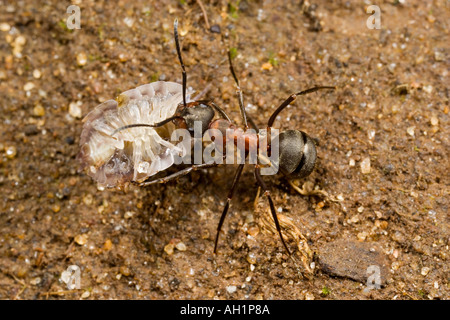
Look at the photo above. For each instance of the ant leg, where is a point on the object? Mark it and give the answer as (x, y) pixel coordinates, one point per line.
(272, 206)
(237, 176)
(253, 123)
(292, 98)
(239, 92)
(177, 174)
(183, 69)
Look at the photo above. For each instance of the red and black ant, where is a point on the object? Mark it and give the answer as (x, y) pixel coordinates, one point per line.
(296, 150)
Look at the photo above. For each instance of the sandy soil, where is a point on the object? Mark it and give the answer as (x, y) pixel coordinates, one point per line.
(390, 110)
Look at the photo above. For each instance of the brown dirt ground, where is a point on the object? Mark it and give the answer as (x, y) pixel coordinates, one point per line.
(391, 106)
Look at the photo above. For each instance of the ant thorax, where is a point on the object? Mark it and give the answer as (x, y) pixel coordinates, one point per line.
(136, 153)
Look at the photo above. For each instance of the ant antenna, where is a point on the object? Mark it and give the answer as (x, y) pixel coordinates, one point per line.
(292, 98)
(177, 44)
(239, 92)
(135, 125)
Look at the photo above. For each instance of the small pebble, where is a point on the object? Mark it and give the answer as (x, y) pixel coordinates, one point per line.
(81, 239)
(362, 236)
(108, 245)
(383, 224)
(428, 89)
(85, 295)
(251, 258)
(38, 110)
(425, 271)
(128, 214)
(4, 27)
(35, 281)
(309, 296)
(253, 231)
(267, 66)
(439, 56)
(365, 165)
(395, 265)
(125, 271)
(11, 152)
(361, 209)
(410, 131)
(123, 57)
(69, 140)
(395, 253)
(180, 246)
(30, 130)
(215, 28)
(87, 199)
(352, 163)
(28, 86)
(129, 22)
(56, 208)
(434, 121)
(231, 289)
(169, 249)
(20, 41)
(81, 59)
(75, 109)
(37, 74)
(351, 259)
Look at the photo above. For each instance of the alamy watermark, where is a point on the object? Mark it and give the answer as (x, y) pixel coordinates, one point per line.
(74, 20)
(374, 21)
(373, 278)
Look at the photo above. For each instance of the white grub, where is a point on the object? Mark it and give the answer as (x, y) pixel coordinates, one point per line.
(133, 154)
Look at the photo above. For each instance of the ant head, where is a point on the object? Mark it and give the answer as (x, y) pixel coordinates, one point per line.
(297, 154)
(197, 111)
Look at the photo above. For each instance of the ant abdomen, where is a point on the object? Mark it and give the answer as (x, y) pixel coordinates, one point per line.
(297, 154)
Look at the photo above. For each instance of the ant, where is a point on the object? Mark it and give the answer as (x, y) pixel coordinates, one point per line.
(297, 151)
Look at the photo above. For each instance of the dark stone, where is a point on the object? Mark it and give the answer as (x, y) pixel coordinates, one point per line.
(30, 130)
(351, 259)
(215, 28)
(70, 140)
